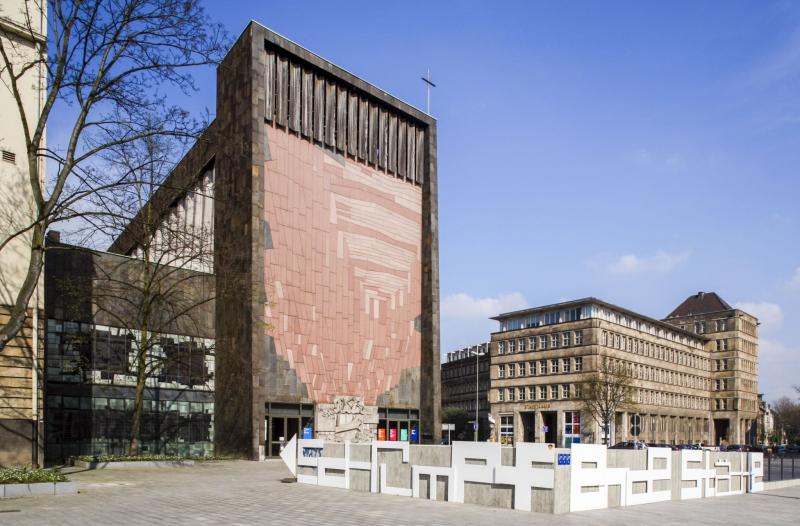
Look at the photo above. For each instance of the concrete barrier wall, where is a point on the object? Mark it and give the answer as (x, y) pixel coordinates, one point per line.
(537, 477)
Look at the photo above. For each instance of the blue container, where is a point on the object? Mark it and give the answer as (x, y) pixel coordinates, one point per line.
(414, 435)
(308, 432)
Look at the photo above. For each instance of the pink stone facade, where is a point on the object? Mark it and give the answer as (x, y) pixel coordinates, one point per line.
(343, 275)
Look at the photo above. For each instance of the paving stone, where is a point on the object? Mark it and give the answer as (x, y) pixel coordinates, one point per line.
(253, 493)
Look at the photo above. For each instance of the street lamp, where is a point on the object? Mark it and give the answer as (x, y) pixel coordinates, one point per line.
(476, 426)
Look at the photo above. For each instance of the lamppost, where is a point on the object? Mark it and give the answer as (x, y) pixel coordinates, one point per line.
(476, 426)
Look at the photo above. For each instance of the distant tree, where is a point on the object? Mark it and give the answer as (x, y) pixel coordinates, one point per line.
(609, 390)
(108, 64)
(787, 418)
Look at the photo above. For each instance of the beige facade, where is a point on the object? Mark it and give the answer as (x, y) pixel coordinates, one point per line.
(542, 357)
(22, 30)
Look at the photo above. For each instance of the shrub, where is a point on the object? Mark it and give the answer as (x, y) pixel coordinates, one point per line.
(27, 475)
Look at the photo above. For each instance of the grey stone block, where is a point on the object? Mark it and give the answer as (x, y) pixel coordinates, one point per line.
(42, 488)
(66, 488)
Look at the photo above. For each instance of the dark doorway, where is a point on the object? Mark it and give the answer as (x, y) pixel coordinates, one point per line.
(528, 426)
(282, 422)
(550, 423)
(721, 430)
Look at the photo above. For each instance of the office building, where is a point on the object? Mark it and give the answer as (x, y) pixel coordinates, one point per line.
(465, 383)
(23, 30)
(694, 374)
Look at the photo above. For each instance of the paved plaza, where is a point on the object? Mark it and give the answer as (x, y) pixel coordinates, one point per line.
(253, 493)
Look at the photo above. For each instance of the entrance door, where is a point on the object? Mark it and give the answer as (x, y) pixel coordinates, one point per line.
(528, 426)
(550, 423)
(721, 430)
(277, 427)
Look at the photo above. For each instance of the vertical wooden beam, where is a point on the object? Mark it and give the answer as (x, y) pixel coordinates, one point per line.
(295, 90)
(420, 173)
(341, 120)
(319, 108)
(352, 124)
(308, 104)
(411, 153)
(330, 114)
(282, 81)
(402, 156)
(383, 144)
(269, 85)
(363, 129)
(373, 134)
(392, 162)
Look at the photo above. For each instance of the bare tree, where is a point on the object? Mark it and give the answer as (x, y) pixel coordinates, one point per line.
(609, 390)
(166, 287)
(109, 66)
(787, 418)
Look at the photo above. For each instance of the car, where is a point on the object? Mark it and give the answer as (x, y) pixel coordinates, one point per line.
(629, 445)
(673, 447)
(793, 448)
(734, 447)
(689, 446)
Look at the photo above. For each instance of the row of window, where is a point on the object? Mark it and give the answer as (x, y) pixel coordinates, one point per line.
(468, 405)
(541, 319)
(648, 397)
(596, 311)
(540, 367)
(539, 392)
(748, 327)
(541, 342)
(100, 403)
(652, 350)
(468, 369)
(463, 388)
(82, 352)
(702, 327)
(729, 384)
(647, 327)
(748, 346)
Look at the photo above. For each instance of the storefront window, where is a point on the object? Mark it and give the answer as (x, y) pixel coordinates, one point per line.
(572, 428)
(507, 429)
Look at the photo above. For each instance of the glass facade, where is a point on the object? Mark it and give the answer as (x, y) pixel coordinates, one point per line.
(90, 391)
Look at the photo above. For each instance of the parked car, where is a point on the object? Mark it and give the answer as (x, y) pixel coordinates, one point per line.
(690, 446)
(673, 447)
(734, 447)
(629, 445)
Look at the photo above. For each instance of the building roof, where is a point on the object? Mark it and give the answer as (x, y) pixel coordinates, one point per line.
(597, 301)
(700, 303)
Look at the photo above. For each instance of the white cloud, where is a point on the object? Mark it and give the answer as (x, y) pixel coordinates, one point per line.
(661, 261)
(462, 305)
(795, 281)
(770, 315)
(778, 369)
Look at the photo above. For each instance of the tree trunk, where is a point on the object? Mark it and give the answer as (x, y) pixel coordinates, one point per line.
(141, 380)
(20, 309)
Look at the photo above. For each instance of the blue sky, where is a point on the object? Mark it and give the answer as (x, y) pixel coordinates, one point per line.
(639, 152)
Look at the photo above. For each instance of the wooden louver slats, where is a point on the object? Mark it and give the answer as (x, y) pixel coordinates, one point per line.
(337, 116)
